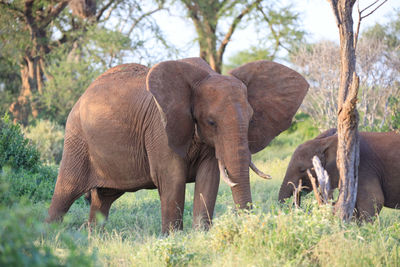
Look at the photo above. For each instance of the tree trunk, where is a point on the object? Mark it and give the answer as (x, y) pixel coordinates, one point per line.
(348, 140)
(30, 71)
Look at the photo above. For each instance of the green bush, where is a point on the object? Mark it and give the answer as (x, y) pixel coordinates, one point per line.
(15, 150)
(17, 246)
(48, 137)
(22, 173)
(35, 185)
(21, 242)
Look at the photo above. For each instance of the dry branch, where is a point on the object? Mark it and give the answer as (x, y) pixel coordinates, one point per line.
(323, 194)
(317, 194)
(296, 193)
(323, 179)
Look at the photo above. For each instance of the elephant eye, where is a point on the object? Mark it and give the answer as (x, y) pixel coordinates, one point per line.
(211, 122)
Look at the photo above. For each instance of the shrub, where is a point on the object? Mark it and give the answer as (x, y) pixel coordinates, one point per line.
(20, 244)
(48, 137)
(35, 185)
(22, 173)
(15, 150)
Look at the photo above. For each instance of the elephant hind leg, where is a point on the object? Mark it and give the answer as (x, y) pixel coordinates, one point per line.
(101, 200)
(73, 177)
(370, 199)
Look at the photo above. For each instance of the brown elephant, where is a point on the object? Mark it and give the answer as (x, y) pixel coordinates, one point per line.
(379, 169)
(175, 123)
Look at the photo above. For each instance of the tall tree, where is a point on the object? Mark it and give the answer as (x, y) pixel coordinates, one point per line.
(210, 16)
(33, 17)
(280, 34)
(206, 15)
(348, 151)
(39, 30)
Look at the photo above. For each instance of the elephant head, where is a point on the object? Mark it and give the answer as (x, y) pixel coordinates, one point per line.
(323, 146)
(237, 114)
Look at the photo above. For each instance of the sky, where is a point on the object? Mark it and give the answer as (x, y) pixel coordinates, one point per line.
(317, 19)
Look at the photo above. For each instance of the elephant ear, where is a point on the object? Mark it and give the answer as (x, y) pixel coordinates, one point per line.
(327, 133)
(199, 63)
(171, 84)
(275, 93)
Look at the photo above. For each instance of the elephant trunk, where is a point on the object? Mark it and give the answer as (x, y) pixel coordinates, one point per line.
(234, 162)
(286, 189)
(238, 175)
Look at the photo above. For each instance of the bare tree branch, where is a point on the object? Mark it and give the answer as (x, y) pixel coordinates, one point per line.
(54, 12)
(360, 17)
(315, 188)
(373, 9)
(296, 192)
(232, 28)
(103, 9)
(138, 20)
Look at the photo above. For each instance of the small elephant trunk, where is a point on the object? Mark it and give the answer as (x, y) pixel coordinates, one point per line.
(286, 189)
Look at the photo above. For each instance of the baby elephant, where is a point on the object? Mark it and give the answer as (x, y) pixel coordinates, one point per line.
(379, 169)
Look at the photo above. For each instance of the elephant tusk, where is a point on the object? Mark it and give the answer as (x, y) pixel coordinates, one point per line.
(258, 172)
(224, 175)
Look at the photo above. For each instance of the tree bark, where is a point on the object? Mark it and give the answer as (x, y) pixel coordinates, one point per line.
(348, 139)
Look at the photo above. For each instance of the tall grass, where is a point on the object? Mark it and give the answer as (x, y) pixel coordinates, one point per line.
(271, 234)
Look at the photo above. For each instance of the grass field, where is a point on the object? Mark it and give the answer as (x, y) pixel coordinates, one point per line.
(270, 235)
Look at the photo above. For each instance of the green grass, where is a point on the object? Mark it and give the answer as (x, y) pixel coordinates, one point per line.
(270, 235)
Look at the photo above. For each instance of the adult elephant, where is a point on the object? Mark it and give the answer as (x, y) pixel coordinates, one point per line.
(378, 171)
(178, 122)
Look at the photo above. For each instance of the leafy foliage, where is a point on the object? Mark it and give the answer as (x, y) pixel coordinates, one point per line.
(34, 186)
(17, 245)
(48, 138)
(48, 59)
(16, 151)
(22, 172)
(279, 33)
(246, 56)
(21, 232)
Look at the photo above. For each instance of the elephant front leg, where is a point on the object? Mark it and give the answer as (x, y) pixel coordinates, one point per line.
(205, 193)
(172, 197)
(171, 187)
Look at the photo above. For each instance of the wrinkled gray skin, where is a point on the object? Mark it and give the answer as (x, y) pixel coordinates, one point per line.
(178, 122)
(379, 169)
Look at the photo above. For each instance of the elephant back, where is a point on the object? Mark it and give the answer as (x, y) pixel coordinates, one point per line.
(123, 71)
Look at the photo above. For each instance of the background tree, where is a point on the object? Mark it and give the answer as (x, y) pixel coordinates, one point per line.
(44, 34)
(33, 19)
(279, 31)
(216, 21)
(378, 67)
(348, 152)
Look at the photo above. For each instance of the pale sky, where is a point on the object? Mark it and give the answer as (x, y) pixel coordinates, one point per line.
(318, 21)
